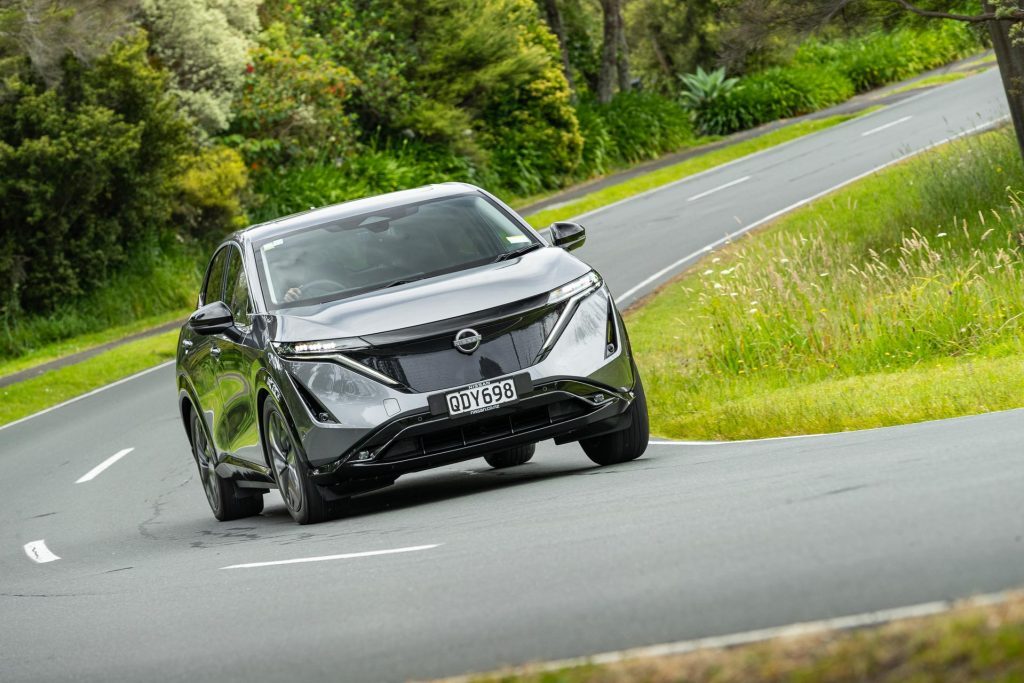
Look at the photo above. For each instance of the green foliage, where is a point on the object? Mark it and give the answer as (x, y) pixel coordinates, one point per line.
(823, 73)
(44, 32)
(152, 286)
(885, 57)
(704, 93)
(210, 192)
(634, 126)
(668, 37)
(86, 175)
(205, 46)
(293, 100)
(868, 281)
(376, 169)
(489, 82)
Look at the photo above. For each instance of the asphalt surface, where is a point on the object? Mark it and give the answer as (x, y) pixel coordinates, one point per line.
(553, 559)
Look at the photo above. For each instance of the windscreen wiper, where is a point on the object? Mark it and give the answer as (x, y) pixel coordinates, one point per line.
(404, 281)
(517, 252)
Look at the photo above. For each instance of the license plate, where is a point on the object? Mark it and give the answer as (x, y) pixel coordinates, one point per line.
(476, 398)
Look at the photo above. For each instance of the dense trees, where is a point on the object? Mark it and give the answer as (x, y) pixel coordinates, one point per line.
(131, 127)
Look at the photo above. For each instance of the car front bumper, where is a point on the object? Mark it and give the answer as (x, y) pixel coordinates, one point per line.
(378, 431)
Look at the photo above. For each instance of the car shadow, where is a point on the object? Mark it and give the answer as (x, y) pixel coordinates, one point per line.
(435, 487)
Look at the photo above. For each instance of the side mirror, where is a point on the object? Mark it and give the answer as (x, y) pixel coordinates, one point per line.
(568, 235)
(211, 318)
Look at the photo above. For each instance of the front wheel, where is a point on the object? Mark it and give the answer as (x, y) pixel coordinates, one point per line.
(511, 457)
(627, 444)
(226, 500)
(303, 498)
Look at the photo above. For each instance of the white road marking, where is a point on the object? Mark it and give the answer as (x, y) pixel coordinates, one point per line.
(739, 160)
(38, 552)
(324, 558)
(886, 125)
(718, 189)
(802, 629)
(88, 394)
(96, 471)
(792, 207)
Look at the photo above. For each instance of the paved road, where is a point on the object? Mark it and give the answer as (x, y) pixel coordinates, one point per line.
(553, 559)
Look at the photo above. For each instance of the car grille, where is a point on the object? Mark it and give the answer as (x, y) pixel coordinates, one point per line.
(432, 363)
(483, 430)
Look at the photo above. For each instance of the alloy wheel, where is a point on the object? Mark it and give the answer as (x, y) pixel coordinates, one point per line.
(203, 451)
(285, 460)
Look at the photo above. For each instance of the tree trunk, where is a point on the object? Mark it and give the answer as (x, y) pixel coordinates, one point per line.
(659, 53)
(609, 50)
(1010, 58)
(622, 59)
(555, 23)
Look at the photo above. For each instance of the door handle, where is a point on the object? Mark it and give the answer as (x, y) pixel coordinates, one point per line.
(215, 351)
(186, 343)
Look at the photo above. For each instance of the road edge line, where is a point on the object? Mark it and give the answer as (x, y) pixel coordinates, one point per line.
(752, 155)
(805, 628)
(672, 268)
(92, 392)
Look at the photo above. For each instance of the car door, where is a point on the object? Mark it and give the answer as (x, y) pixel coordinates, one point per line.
(238, 426)
(201, 357)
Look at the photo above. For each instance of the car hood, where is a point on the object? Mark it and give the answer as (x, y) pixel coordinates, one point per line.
(436, 299)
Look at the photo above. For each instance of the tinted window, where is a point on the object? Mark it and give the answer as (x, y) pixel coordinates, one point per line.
(214, 279)
(237, 288)
(354, 255)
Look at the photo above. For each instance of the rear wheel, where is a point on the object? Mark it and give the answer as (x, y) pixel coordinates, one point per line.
(627, 444)
(511, 457)
(303, 498)
(226, 501)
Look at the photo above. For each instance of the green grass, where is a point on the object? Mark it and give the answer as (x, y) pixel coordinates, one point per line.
(897, 299)
(25, 398)
(129, 302)
(682, 170)
(972, 643)
(938, 79)
(84, 342)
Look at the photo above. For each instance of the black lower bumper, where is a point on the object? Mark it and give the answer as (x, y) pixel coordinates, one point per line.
(564, 410)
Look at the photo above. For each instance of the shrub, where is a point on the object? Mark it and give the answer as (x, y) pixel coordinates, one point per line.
(633, 127)
(376, 169)
(879, 58)
(824, 73)
(293, 101)
(210, 193)
(86, 175)
(205, 46)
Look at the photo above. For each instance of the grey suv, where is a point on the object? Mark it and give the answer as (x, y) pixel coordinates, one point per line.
(334, 350)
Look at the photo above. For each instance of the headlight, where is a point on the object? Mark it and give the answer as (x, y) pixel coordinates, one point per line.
(588, 282)
(319, 347)
(330, 350)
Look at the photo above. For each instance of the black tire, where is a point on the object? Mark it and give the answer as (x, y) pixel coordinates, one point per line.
(226, 500)
(511, 457)
(627, 444)
(303, 498)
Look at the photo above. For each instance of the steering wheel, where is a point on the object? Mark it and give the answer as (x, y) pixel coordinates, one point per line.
(325, 286)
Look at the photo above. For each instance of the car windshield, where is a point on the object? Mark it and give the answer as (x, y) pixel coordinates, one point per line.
(385, 248)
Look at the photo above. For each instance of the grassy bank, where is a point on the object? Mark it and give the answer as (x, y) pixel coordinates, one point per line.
(972, 643)
(132, 301)
(683, 169)
(24, 398)
(897, 299)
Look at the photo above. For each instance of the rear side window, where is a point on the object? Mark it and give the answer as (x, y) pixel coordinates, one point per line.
(214, 279)
(237, 288)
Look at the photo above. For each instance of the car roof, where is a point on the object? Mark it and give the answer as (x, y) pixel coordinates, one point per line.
(326, 214)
